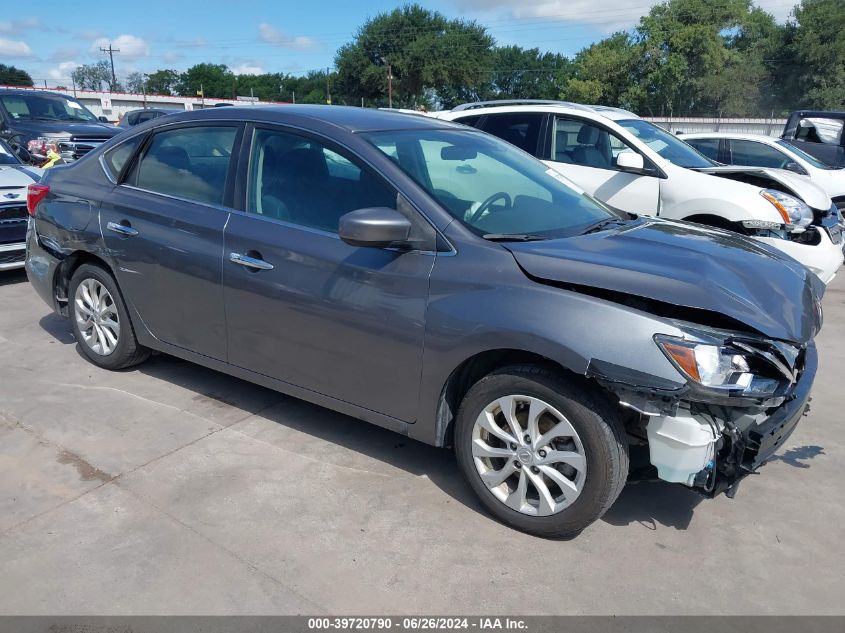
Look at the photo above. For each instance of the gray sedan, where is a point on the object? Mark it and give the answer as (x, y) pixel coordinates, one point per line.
(436, 281)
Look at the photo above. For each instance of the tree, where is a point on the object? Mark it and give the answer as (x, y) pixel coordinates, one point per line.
(92, 76)
(215, 80)
(605, 73)
(429, 56)
(11, 76)
(135, 82)
(163, 82)
(818, 45)
(520, 73)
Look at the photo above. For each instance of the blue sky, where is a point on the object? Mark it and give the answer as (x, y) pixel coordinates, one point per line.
(49, 38)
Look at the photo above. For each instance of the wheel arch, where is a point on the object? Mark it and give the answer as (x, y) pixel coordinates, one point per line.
(65, 270)
(473, 369)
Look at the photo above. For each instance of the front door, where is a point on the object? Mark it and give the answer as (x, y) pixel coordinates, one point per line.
(586, 153)
(163, 228)
(303, 306)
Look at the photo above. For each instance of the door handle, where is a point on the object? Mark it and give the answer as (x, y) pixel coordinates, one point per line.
(122, 229)
(250, 262)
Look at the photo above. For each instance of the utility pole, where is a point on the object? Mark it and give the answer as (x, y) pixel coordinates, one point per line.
(111, 51)
(328, 92)
(389, 86)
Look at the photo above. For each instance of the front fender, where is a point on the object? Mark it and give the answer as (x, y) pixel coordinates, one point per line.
(476, 308)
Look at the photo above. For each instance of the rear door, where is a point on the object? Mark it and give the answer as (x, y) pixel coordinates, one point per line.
(163, 227)
(303, 306)
(586, 153)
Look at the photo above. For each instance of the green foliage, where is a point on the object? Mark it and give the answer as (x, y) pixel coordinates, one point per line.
(818, 45)
(94, 76)
(163, 82)
(685, 57)
(429, 56)
(11, 76)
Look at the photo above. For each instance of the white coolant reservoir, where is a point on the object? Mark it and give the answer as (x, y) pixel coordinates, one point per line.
(680, 446)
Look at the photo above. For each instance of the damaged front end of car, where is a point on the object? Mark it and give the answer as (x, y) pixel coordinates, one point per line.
(743, 397)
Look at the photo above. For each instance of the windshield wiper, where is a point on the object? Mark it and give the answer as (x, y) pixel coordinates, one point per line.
(601, 224)
(513, 237)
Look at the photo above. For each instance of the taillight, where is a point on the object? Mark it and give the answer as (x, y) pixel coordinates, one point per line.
(35, 193)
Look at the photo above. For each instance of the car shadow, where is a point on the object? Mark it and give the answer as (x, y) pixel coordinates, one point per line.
(653, 504)
(388, 447)
(649, 503)
(10, 277)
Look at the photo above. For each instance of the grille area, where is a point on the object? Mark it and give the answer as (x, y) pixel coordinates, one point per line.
(80, 145)
(13, 215)
(13, 257)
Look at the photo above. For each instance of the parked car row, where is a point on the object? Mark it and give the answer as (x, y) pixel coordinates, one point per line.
(435, 280)
(15, 177)
(637, 166)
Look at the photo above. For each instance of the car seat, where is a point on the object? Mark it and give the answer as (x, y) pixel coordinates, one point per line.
(587, 152)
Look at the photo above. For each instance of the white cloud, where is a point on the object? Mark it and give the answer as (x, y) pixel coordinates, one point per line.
(14, 48)
(248, 69)
(609, 16)
(60, 75)
(272, 35)
(171, 56)
(18, 26)
(131, 46)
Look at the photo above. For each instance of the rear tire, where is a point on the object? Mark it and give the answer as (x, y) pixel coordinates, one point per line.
(100, 320)
(568, 466)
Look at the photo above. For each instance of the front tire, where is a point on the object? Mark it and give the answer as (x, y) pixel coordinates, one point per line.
(100, 320)
(545, 453)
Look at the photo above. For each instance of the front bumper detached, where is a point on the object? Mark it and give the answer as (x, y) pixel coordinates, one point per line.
(696, 448)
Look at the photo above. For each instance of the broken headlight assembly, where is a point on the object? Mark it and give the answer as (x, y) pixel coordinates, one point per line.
(729, 369)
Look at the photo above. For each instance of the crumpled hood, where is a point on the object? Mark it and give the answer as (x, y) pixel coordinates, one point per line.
(681, 264)
(803, 187)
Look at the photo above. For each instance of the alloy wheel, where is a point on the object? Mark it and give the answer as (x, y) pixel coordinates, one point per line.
(528, 455)
(96, 317)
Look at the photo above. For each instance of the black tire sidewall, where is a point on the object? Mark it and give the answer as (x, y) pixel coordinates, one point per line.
(587, 414)
(126, 341)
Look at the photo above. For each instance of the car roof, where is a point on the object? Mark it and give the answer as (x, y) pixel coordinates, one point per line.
(537, 105)
(350, 118)
(29, 91)
(821, 114)
(737, 135)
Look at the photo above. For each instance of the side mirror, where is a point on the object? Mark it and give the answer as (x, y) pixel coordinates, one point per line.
(795, 168)
(103, 119)
(630, 162)
(376, 227)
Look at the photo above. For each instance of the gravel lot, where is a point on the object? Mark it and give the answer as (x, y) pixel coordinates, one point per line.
(173, 489)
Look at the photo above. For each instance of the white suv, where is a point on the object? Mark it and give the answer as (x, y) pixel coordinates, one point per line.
(633, 165)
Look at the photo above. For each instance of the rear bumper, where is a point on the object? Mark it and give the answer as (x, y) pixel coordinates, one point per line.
(41, 268)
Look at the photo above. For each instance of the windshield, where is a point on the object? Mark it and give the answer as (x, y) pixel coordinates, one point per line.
(7, 157)
(489, 186)
(41, 107)
(815, 162)
(667, 145)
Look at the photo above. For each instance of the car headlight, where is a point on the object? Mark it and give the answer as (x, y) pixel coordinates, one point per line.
(795, 213)
(725, 368)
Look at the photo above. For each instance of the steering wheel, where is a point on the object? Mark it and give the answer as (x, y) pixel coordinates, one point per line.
(488, 203)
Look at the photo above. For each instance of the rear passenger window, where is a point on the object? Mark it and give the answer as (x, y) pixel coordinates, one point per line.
(521, 129)
(190, 163)
(754, 154)
(707, 146)
(117, 157)
(299, 180)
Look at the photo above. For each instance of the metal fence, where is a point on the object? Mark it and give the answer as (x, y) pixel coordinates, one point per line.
(769, 127)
